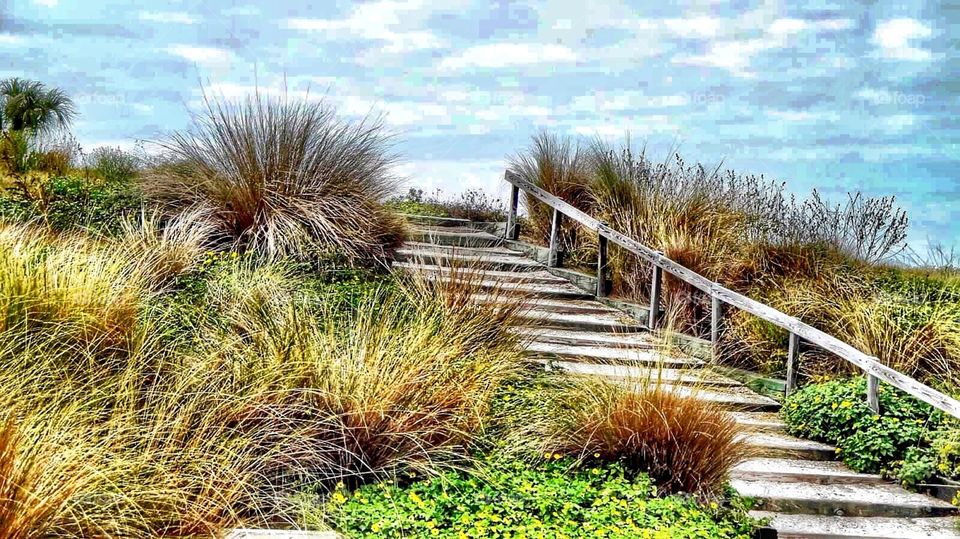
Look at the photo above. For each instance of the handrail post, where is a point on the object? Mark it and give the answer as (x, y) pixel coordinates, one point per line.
(873, 393)
(656, 283)
(793, 351)
(715, 314)
(553, 258)
(513, 224)
(602, 261)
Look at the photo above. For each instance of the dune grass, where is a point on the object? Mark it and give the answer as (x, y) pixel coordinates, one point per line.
(282, 176)
(683, 443)
(146, 426)
(832, 265)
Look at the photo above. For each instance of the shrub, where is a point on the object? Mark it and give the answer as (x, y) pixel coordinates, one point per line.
(472, 204)
(69, 202)
(507, 498)
(282, 176)
(836, 412)
(113, 164)
(685, 444)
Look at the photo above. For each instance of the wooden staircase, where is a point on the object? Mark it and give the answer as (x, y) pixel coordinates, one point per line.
(797, 483)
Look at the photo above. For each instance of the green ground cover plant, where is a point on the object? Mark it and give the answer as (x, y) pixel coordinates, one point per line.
(907, 440)
(510, 498)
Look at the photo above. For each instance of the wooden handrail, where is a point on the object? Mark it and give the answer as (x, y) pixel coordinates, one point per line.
(798, 329)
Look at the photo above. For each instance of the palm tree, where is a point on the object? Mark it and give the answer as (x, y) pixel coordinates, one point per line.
(28, 104)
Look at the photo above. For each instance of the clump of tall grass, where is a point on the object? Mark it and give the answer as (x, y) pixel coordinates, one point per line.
(164, 248)
(208, 426)
(71, 280)
(282, 176)
(559, 166)
(684, 443)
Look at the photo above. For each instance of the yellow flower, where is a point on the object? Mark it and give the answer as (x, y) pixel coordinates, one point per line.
(596, 455)
(846, 404)
(338, 497)
(833, 406)
(376, 527)
(557, 456)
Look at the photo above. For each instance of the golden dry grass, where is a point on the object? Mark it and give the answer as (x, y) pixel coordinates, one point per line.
(684, 443)
(185, 429)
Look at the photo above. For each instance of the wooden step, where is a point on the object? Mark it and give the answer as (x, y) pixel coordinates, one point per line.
(576, 337)
(588, 320)
(430, 220)
(458, 237)
(439, 256)
(777, 445)
(625, 373)
(794, 470)
(534, 277)
(607, 355)
(833, 527)
(870, 500)
(760, 421)
(456, 249)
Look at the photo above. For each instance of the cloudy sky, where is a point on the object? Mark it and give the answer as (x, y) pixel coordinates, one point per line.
(836, 96)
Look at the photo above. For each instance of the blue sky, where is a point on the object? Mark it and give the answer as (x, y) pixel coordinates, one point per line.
(837, 96)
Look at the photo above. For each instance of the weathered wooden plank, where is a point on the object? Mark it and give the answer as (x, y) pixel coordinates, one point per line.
(810, 334)
(513, 224)
(553, 258)
(602, 259)
(873, 393)
(793, 351)
(716, 311)
(656, 285)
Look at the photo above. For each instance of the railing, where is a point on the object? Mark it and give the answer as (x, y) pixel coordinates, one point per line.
(720, 296)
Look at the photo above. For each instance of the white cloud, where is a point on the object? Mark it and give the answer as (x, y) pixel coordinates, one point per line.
(240, 11)
(791, 115)
(142, 108)
(898, 123)
(894, 37)
(206, 56)
(46, 3)
(789, 26)
(692, 26)
(10, 39)
(168, 17)
(627, 100)
(383, 20)
(456, 176)
(497, 55)
(734, 56)
(619, 126)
